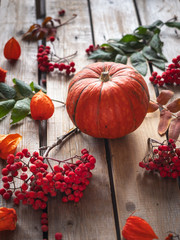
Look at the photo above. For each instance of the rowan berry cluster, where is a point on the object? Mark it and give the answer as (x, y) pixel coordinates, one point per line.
(91, 49)
(163, 158)
(37, 183)
(170, 76)
(48, 61)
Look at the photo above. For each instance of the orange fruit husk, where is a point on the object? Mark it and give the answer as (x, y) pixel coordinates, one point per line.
(8, 144)
(8, 218)
(41, 106)
(137, 228)
(12, 49)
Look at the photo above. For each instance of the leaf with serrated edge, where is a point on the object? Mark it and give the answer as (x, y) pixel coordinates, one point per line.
(174, 106)
(6, 91)
(165, 119)
(174, 128)
(20, 110)
(139, 63)
(6, 107)
(164, 97)
(23, 88)
(152, 107)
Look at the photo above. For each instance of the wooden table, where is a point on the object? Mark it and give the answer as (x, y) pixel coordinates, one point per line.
(118, 187)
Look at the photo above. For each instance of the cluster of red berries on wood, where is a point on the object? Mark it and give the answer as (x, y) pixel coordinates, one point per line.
(170, 76)
(163, 158)
(37, 183)
(91, 49)
(48, 61)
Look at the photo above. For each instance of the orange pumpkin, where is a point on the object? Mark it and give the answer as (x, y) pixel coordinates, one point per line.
(12, 49)
(107, 100)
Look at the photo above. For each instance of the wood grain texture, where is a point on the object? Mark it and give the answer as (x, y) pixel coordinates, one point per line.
(92, 218)
(16, 17)
(151, 197)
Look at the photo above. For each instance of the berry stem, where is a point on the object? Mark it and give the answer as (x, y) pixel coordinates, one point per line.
(69, 20)
(54, 100)
(60, 141)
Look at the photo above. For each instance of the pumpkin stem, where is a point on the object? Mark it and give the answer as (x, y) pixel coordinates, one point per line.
(105, 76)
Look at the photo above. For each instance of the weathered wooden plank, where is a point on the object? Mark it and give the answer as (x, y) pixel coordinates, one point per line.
(154, 199)
(147, 194)
(92, 217)
(15, 18)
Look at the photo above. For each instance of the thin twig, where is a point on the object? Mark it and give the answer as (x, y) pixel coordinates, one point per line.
(60, 140)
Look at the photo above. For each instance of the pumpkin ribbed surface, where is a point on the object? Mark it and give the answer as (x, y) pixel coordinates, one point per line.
(107, 100)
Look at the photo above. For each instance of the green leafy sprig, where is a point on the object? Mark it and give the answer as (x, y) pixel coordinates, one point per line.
(143, 46)
(16, 99)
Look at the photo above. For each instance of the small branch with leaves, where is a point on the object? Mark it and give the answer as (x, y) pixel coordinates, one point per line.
(142, 46)
(47, 29)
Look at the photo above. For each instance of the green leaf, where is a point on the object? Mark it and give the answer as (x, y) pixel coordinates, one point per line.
(100, 54)
(120, 59)
(139, 63)
(158, 64)
(21, 110)
(23, 88)
(143, 33)
(116, 48)
(151, 55)
(129, 38)
(154, 25)
(6, 106)
(36, 88)
(7, 92)
(173, 24)
(156, 43)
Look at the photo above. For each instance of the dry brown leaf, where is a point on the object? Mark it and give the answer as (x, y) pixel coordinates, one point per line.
(8, 144)
(174, 128)
(165, 119)
(164, 97)
(174, 106)
(152, 107)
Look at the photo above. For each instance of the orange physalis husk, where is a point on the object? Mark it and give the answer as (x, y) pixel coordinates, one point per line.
(152, 107)
(41, 106)
(174, 128)
(165, 119)
(137, 228)
(8, 144)
(164, 97)
(12, 49)
(2, 75)
(8, 218)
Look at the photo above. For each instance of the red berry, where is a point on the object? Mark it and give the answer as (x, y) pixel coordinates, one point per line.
(58, 236)
(10, 159)
(52, 38)
(44, 228)
(5, 171)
